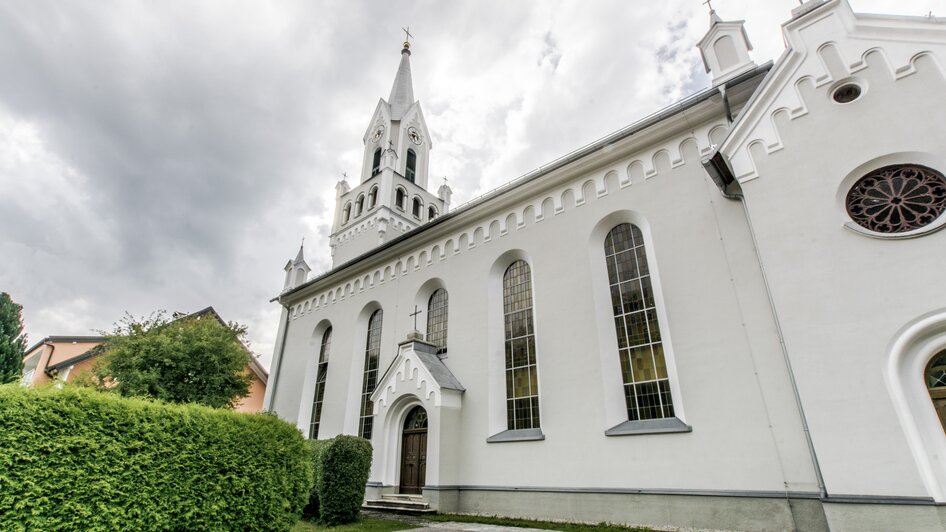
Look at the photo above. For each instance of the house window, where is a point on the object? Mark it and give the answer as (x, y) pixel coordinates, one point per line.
(400, 198)
(935, 378)
(431, 213)
(522, 380)
(372, 353)
(417, 208)
(643, 367)
(346, 213)
(411, 169)
(359, 205)
(376, 162)
(373, 198)
(320, 384)
(437, 320)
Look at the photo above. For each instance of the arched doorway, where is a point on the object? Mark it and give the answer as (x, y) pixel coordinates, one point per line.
(935, 378)
(414, 451)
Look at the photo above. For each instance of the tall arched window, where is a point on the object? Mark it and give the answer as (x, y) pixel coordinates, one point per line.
(359, 205)
(417, 208)
(643, 367)
(346, 213)
(376, 162)
(431, 212)
(399, 198)
(522, 380)
(320, 384)
(935, 378)
(372, 353)
(437, 320)
(373, 197)
(411, 169)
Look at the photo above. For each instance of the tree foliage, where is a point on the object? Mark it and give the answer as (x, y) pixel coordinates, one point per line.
(12, 339)
(189, 360)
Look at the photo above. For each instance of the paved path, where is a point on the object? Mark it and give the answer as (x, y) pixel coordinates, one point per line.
(471, 527)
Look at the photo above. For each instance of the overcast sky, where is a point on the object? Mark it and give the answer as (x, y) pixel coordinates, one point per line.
(171, 155)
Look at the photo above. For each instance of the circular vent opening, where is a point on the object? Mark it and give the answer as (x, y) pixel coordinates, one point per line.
(847, 93)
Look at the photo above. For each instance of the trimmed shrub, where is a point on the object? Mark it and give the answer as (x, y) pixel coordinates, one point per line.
(316, 447)
(346, 464)
(76, 459)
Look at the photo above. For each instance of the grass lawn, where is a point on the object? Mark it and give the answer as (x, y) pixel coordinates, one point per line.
(526, 523)
(372, 525)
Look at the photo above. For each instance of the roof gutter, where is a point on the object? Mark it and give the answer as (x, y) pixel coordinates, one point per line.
(719, 171)
(270, 395)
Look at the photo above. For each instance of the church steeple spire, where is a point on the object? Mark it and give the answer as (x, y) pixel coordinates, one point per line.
(402, 92)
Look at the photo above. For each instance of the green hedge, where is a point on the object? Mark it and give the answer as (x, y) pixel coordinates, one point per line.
(316, 447)
(344, 469)
(76, 459)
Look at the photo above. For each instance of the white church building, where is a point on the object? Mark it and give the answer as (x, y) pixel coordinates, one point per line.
(729, 315)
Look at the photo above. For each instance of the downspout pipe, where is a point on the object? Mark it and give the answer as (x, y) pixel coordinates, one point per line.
(718, 169)
(278, 359)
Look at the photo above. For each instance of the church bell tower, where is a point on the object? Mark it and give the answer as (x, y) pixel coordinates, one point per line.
(391, 198)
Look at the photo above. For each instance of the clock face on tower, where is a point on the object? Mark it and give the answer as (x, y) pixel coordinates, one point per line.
(378, 131)
(414, 135)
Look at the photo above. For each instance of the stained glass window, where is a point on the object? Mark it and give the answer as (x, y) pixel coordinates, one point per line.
(437, 320)
(320, 384)
(522, 380)
(370, 380)
(643, 367)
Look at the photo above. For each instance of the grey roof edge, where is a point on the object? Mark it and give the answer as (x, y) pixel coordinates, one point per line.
(89, 353)
(69, 339)
(441, 373)
(625, 132)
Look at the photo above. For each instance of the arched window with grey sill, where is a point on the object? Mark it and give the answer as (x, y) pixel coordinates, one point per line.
(643, 365)
(320, 383)
(370, 380)
(376, 162)
(437, 320)
(522, 379)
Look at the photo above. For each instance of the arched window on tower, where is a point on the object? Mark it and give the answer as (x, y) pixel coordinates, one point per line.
(346, 213)
(417, 208)
(437, 320)
(935, 378)
(399, 198)
(643, 367)
(373, 198)
(431, 212)
(522, 379)
(359, 205)
(320, 384)
(372, 354)
(410, 171)
(376, 163)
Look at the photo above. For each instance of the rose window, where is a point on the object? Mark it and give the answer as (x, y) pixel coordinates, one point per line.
(898, 198)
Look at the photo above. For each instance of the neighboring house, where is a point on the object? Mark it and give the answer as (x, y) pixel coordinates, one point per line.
(61, 358)
(729, 315)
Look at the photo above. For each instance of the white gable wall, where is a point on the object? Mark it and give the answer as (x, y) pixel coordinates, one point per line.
(842, 296)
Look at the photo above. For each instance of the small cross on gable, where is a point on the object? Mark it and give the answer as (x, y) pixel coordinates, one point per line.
(414, 314)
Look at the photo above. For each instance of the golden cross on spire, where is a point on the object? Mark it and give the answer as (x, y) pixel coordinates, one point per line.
(407, 37)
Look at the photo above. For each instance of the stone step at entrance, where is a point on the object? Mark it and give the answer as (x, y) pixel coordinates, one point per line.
(397, 503)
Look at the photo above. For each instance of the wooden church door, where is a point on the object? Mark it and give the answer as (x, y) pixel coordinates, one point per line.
(414, 452)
